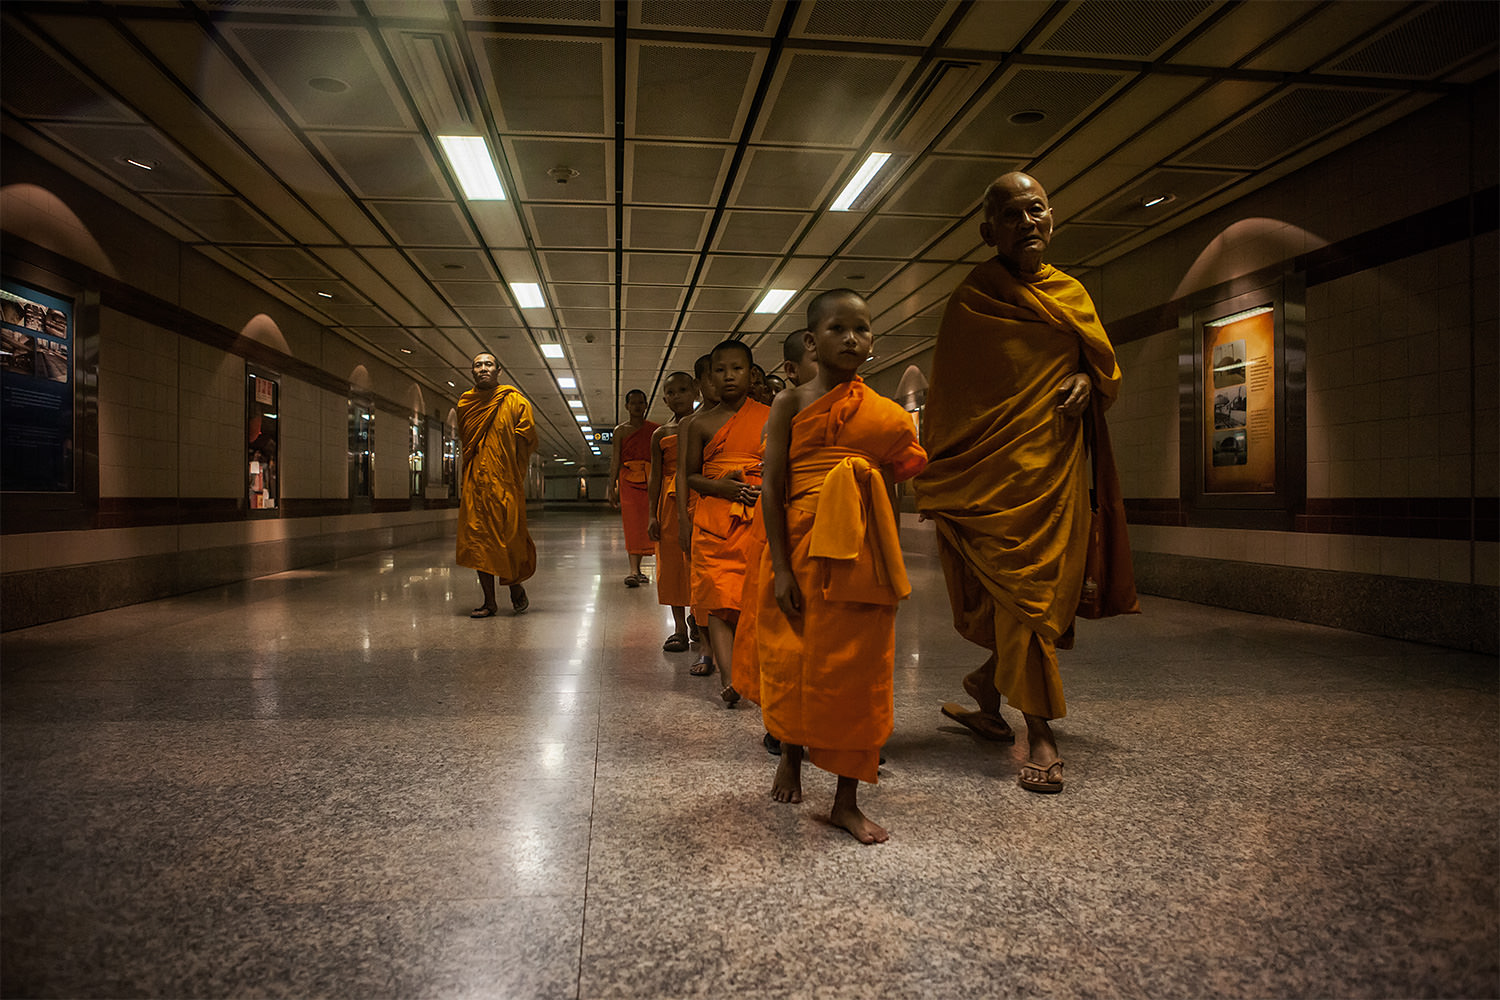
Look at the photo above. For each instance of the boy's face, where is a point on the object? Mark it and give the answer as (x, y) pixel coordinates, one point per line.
(680, 393)
(635, 405)
(842, 337)
(731, 375)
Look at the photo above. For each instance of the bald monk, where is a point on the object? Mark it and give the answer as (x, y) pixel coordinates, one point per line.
(832, 573)
(799, 365)
(498, 436)
(687, 502)
(672, 585)
(721, 455)
(629, 466)
(1020, 357)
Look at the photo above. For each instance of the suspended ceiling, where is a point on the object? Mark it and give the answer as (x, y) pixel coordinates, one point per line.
(666, 162)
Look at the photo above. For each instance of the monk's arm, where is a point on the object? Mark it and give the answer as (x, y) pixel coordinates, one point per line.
(687, 444)
(653, 486)
(614, 467)
(773, 501)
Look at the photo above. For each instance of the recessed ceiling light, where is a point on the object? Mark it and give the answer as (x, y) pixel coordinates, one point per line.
(582, 418)
(451, 385)
(406, 350)
(775, 300)
(325, 295)
(576, 404)
(528, 294)
(586, 429)
(469, 156)
(453, 267)
(859, 181)
(566, 382)
(328, 84)
(1152, 200)
(552, 350)
(1028, 117)
(138, 162)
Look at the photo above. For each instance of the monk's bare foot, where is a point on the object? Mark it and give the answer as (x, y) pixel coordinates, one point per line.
(1041, 744)
(787, 785)
(979, 684)
(864, 830)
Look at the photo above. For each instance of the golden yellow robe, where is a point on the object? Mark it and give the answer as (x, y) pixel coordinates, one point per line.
(1007, 484)
(498, 438)
(720, 525)
(826, 677)
(671, 562)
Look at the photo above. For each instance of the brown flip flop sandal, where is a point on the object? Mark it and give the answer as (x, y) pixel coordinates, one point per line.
(1050, 782)
(982, 724)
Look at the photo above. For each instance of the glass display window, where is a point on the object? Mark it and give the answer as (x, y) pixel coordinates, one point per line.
(263, 441)
(361, 449)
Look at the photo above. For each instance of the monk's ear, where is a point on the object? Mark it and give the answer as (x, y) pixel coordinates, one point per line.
(987, 233)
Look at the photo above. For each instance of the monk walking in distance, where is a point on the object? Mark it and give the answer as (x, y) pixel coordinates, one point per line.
(629, 469)
(498, 436)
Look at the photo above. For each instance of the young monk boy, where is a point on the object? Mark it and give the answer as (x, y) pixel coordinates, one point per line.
(687, 501)
(722, 453)
(672, 585)
(833, 573)
(629, 464)
(799, 364)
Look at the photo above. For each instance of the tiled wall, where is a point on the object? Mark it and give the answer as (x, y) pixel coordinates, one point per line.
(138, 409)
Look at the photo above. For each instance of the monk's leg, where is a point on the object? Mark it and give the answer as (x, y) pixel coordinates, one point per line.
(721, 641)
(787, 785)
(519, 602)
(679, 621)
(1040, 741)
(635, 563)
(979, 684)
(847, 815)
(487, 586)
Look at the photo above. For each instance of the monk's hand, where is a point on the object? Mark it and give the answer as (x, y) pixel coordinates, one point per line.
(614, 496)
(1074, 394)
(653, 530)
(788, 595)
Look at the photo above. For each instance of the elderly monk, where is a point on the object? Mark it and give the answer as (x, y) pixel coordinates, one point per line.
(498, 436)
(629, 472)
(1020, 356)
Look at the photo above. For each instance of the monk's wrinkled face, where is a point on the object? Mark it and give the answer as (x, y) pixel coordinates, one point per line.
(635, 405)
(680, 392)
(486, 371)
(841, 335)
(1017, 222)
(731, 374)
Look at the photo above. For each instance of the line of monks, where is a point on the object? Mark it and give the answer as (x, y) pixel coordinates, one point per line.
(773, 517)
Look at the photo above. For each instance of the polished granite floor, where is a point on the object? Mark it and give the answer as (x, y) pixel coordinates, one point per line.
(331, 782)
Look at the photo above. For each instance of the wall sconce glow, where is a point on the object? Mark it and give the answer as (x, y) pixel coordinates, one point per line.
(576, 404)
(552, 350)
(775, 300)
(529, 296)
(469, 156)
(566, 382)
(859, 181)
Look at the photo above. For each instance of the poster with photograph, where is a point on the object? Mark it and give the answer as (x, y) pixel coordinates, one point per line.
(36, 390)
(1239, 394)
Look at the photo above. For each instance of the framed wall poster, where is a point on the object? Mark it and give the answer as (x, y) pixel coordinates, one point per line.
(1243, 416)
(36, 390)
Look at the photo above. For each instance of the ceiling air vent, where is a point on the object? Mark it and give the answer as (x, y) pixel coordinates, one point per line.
(930, 106)
(431, 72)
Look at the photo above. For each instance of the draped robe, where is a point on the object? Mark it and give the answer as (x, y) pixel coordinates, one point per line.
(826, 677)
(1007, 484)
(498, 436)
(720, 525)
(635, 509)
(671, 562)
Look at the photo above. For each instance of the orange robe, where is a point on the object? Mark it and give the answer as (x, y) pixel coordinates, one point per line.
(746, 654)
(826, 678)
(635, 469)
(1008, 482)
(671, 562)
(720, 525)
(498, 438)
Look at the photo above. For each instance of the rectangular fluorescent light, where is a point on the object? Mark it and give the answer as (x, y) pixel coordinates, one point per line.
(469, 156)
(775, 300)
(529, 296)
(552, 350)
(859, 181)
(566, 382)
(576, 404)
(1236, 317)
(586, 429)
(582, 418)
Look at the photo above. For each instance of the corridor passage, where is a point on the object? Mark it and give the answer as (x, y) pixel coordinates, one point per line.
(332, 782)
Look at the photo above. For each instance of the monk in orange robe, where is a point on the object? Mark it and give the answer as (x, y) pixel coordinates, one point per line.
(498, 436)
(672, 583)
(1020, 357)
(799, 365)
(722, 457)
(687, 502)
(832, 572)
(629, 468)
